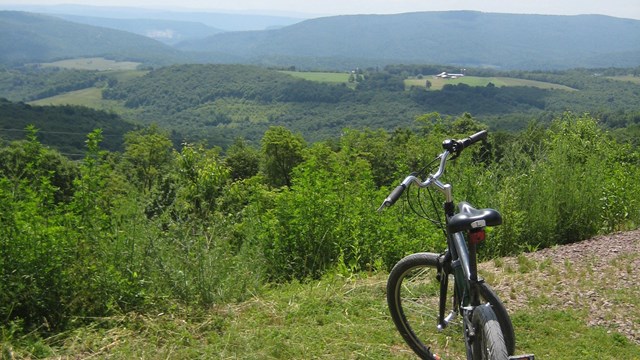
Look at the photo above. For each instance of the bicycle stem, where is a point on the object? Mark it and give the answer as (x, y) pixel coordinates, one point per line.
(446, 189)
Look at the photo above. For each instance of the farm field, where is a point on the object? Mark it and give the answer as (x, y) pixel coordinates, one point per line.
(438, 83)
(630, 78)
(100, 64)
(89, 97)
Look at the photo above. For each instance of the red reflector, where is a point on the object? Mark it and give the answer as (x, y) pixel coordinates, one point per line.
(477, 236)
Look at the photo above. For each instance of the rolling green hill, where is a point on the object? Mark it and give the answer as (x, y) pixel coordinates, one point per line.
(467, 38)
(217, 103)
(220, 102)
(30, 38)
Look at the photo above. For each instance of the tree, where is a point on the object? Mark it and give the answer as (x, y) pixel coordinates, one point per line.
(282, 151)
(149, 153)
(31, 161)
(242, 160)
(202, 177)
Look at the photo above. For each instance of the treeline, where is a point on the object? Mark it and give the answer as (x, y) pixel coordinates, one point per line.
(153, 228)
(180, 87)
(217, 103)
(62, 127)
(484, 100)
(187, 98)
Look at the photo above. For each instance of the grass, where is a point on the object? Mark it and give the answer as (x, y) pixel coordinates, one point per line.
(438, 83)
(554, 334)
(332, 318)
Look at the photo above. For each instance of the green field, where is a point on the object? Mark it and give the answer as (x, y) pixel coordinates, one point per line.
(438, 83)
(630, 78)
(89, 97)
(97, 63)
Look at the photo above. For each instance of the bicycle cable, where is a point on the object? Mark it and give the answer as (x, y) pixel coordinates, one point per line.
(423, 213)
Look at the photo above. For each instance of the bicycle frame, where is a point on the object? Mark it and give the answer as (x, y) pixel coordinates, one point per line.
(459, 260)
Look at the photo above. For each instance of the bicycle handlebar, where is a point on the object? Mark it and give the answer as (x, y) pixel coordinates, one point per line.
(450, 147)
(481, 135)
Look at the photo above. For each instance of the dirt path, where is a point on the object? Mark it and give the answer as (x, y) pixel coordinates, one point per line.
(604, 271)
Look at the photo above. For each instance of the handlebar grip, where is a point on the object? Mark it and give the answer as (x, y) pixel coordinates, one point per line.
(395, 194)
(393, 197)
(481, 135)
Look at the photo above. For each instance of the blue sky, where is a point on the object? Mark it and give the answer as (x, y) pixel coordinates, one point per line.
(618, 8)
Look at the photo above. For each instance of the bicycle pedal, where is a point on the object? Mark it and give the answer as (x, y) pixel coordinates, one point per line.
(522, 357)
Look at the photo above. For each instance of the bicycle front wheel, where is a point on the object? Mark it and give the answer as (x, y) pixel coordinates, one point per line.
(489, 342)
(413, 294)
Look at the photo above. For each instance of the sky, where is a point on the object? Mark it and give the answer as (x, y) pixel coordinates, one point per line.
(618, 8)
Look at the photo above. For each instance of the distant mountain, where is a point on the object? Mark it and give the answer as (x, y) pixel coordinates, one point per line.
(219, 20)
(28, 37)
(166, 31)
(458, 38)
(466, 38)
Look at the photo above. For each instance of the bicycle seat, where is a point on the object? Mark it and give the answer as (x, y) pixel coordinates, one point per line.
(470, 218)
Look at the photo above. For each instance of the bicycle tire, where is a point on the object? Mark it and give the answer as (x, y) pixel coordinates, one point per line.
(488, 343)
(487, 293)
(413, 297)
(415, 334)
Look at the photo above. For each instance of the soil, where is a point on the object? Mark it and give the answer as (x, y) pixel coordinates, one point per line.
(599, 275)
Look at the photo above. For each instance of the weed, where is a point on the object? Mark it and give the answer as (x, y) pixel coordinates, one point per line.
(525, 265)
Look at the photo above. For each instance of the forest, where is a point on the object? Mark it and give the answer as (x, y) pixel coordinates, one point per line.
(154, 227)
(217, 103)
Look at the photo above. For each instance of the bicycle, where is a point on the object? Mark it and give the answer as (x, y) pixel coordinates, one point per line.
(420, 282)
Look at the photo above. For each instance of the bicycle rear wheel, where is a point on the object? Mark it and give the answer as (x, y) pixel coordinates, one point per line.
(413, 294)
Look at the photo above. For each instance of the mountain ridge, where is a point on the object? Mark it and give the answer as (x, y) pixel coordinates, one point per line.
(468, 38)
(30, 37)
(345, 42)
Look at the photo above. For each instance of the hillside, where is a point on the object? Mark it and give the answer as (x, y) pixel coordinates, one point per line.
(31, 38)
(166, 31)
(466, 38)
(460, 38)
(220, 102)
(226, 21)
